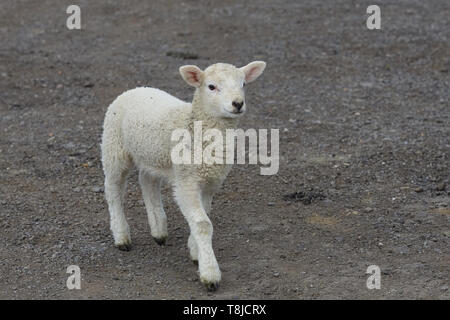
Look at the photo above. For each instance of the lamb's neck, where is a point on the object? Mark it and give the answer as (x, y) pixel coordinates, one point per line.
(209, 121)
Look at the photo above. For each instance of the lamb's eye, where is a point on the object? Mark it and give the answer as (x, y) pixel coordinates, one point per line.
(243, 85)
(211, 87)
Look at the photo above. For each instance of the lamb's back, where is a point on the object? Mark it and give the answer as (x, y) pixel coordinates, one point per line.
(150, 116)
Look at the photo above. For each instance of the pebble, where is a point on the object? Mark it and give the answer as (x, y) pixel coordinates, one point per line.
(97, 189)
(440, 187)
(418, 189)
(69, 146)
(387, 271)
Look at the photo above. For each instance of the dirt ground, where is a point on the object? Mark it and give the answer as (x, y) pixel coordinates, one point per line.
(364, 148)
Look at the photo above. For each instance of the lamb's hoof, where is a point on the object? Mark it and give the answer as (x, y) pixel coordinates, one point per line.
(160, 241)
(195, 262)
(124, 246)
(210, 276)
(211, 286)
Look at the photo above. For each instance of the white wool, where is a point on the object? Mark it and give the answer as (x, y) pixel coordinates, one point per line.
(137, 131)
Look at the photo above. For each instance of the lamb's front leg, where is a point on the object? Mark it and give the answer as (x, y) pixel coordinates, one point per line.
(189, 198)
(207, 196)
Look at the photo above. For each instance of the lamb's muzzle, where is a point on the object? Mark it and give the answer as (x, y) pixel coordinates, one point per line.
(238, 105)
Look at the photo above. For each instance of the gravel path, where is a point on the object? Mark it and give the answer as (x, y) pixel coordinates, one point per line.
(364, 146)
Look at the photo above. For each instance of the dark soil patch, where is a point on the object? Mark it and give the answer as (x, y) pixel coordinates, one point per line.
(305, 197)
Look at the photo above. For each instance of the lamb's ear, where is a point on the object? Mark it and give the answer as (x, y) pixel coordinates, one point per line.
(193, 75)
(253, 70)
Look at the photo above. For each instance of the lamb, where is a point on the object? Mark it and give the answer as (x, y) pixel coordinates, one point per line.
(137, 131)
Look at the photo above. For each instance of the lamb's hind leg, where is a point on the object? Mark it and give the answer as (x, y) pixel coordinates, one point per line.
(151, 192)
(115, 185)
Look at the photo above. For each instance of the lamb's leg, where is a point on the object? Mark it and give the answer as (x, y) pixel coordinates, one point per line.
(189, 198)
(151, 192)
(207, 196)
(115, 183)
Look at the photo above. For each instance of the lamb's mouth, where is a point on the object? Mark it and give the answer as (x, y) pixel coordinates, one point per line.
(235, 113)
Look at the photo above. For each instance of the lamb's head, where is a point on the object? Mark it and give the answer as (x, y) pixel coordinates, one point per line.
(220, 88)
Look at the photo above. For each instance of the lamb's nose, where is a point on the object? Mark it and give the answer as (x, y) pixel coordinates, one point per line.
(238, 105)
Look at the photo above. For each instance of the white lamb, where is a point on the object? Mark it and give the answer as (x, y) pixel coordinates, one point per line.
(137, 130)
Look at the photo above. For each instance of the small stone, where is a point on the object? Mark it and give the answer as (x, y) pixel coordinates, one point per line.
(97, 189)
(270, 204)
(387, 271)
(440, 187)
(368, 210)
(418, 189)
(276, 274)
(69, 146)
